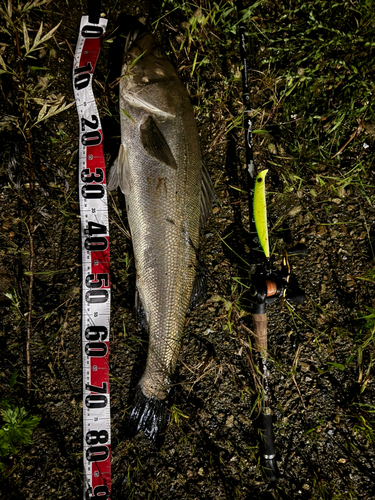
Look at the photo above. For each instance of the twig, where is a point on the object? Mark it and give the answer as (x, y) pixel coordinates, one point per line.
(355, 134)
(30, 225)
(295, 362)
(29, 303)
(63, 328)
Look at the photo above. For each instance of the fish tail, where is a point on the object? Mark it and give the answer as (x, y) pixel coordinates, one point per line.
(150, 415)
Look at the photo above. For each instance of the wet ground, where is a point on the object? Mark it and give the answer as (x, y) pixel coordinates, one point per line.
(320, 352)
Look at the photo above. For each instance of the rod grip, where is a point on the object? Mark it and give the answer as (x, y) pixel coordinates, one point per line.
(268, 448)
(260, 333)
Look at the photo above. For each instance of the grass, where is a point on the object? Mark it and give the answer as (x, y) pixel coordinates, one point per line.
(365, 348)
(319, 55)
(17, 26)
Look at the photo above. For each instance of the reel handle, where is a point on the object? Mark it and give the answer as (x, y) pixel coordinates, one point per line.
(300, 249)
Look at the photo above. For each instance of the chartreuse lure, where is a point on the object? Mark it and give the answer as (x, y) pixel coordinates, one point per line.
(260, 211)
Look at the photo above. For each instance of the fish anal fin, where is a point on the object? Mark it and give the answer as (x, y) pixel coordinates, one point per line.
(141, 313)
(155, 144)
(207, 195)
(199, 292)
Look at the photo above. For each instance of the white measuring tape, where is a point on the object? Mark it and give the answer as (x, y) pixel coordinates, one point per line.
(96, 294)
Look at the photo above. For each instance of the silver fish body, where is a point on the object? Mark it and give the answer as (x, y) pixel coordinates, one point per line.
(159, 170)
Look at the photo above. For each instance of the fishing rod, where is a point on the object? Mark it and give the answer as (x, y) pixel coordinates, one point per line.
(267, 283)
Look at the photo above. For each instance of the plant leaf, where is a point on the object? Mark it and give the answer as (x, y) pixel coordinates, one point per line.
(3, 65)
(38, 35)
(26, 38)
(54, 110)
(42, 112)
(339, 366)
(39, 40)
(10, 9)
(50, 33)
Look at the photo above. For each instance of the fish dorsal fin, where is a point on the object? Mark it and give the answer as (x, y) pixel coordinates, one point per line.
(155, 144)
(119, 175)
(207, 195)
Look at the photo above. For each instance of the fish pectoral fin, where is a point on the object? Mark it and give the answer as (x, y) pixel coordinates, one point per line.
(155, 144)
(123, 169)
(119, 175)
(207, 195)
(112, 180)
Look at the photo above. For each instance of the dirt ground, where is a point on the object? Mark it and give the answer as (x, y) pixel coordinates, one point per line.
(321, 353)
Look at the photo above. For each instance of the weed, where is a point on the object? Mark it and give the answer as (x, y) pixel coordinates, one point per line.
(16, 425)
(365, 347)
(16, 305)
(176, 414)
(365, 425)
(16, 20)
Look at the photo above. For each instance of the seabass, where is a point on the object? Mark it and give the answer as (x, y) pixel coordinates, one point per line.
(168, 197)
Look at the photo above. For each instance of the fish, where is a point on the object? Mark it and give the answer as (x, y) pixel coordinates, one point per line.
(168, 197)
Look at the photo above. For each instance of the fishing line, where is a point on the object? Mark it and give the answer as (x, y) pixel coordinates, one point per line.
(251, 170)
(96, 293)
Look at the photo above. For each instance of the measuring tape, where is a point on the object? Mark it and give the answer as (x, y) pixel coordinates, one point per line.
(96, 292)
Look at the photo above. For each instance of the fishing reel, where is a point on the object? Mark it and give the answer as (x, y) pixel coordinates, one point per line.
(269, 285)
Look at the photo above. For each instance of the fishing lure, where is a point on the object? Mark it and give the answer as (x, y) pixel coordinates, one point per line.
(260, 212)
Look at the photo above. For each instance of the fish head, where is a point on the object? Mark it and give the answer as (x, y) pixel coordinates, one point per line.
(149, 80)
(145, 60)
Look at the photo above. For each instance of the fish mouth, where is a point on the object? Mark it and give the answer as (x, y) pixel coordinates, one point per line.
(132, 37)
(129, 28)
(136, 32)
(140, 41)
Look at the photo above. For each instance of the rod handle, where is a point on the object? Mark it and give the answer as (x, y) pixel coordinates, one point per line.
(260, 333)
(270, 468)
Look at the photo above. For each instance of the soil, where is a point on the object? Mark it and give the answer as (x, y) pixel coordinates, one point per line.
(320, 366)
